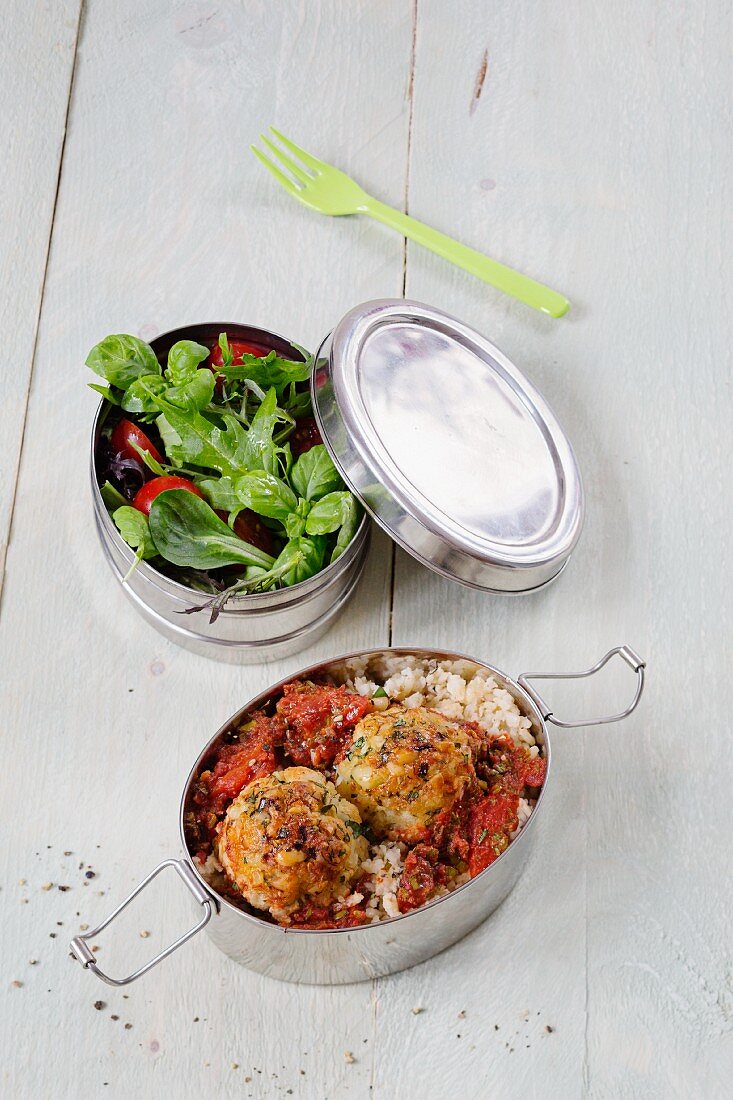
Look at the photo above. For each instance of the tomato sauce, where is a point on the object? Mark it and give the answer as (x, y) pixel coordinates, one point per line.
(513, 766)
(492, 820)
(336, 915)
(450, 832)
(420, 875)
(318, 719)
(254, 752)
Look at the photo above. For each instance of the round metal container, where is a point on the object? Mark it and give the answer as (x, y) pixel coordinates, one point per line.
(448, 446)
(336, 956)
(253, 628)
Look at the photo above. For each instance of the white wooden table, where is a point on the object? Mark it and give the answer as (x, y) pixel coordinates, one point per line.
(586, 144)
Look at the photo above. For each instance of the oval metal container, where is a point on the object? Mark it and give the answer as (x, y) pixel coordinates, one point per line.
(253, 628)
(449, 447)
(355, 954)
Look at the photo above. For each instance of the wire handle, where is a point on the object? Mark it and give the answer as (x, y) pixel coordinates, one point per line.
(632, 659)
(88, 960)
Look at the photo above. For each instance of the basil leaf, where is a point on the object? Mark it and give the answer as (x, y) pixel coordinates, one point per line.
(195, 393)
(266, 494)
(299, 559)
(348, 529)
(188, 532)
(329, 513)
(107, 393)
(295, 522)
(135, 530)
(314, 474)
(219, 491)
(122, 359)
(183, 360)
(142, 395)
(294, 525)
(112, 497)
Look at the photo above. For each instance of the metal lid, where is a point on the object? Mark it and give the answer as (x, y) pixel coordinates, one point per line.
(448, 446)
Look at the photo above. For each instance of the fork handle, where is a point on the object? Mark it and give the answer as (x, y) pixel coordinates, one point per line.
(491, 271)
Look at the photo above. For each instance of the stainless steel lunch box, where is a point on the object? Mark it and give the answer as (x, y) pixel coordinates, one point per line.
(446, 444)
(253, 628)
(355, 954)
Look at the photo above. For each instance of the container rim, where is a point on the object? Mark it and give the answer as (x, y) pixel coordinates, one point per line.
(414, 651)
(161, 581)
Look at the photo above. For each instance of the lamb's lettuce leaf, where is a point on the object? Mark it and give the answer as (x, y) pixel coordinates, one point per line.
(314, 474)
(266, 494)
(187, 532)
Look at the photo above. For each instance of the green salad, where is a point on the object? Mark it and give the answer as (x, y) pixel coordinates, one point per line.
(213, 469)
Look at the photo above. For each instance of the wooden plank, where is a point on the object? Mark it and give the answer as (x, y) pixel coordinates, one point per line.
(37, 58)
(163, 218)
(597, 157)
(591, 148)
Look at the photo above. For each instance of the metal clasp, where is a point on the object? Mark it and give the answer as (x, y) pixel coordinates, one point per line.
(88, 960)
(632, 659)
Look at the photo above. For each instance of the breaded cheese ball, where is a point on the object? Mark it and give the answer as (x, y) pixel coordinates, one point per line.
(289, 839)
(402, 768)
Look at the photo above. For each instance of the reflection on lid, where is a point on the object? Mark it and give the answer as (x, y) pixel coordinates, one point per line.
(459, 432)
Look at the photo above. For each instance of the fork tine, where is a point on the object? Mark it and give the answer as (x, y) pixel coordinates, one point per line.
(298, 171)
(275, 171)
(313, 163)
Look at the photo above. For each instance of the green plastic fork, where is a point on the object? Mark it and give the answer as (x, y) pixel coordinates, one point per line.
(326, 189)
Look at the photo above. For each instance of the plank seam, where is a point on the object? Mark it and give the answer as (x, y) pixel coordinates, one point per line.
(41, 297)
(586, 954)
(406, 207)
(375, 1003)
(410, 116)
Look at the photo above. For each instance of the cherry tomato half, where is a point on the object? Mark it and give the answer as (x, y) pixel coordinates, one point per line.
(151, 489)
(238, 348)
(305, 436)
(249, 527)
(125, 434)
